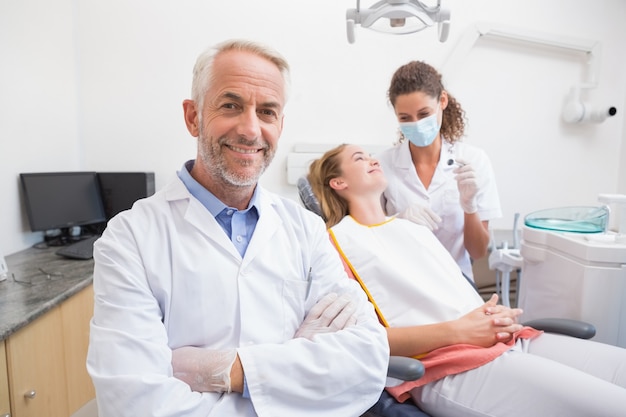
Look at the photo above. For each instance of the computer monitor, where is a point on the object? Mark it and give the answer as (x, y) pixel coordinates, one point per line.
(121, 189)
(62, 200)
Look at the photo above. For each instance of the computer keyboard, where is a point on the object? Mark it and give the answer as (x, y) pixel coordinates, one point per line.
(83, 249)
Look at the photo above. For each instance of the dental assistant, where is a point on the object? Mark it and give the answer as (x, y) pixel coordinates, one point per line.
(215, 297)
(435, 179)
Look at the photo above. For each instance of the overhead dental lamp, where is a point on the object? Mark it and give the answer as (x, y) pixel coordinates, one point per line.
(399, 17)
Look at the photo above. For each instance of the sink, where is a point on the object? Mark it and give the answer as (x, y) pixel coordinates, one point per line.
(578, 219)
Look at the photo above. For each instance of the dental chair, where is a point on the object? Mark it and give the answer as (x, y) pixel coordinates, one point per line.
(401, 368)
(409, 369)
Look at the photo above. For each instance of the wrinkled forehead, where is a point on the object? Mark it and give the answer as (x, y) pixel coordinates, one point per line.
(249, 76)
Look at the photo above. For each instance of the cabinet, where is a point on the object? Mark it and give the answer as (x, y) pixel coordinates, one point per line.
(4, 382)
(76, 314)
(45, 361)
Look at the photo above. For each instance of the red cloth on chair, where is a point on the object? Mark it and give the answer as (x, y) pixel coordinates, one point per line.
(451, 360)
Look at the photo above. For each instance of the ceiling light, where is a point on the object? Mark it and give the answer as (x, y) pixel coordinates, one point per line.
(399, 17)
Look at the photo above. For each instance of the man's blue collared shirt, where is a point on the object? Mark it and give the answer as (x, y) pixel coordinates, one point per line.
(239, 225)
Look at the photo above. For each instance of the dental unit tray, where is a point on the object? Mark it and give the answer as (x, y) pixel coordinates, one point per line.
(570, 219)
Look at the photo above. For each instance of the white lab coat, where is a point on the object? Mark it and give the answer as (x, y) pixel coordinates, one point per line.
(166, 275)
(442, 196)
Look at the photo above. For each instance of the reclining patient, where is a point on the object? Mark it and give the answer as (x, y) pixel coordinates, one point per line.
(479, 361)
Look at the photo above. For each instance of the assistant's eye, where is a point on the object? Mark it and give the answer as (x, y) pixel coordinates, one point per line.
(424, 115)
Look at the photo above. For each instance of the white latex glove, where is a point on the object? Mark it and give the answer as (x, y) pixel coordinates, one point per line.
(204, 370)
(468, 186)
(420, 214)
(330, 314)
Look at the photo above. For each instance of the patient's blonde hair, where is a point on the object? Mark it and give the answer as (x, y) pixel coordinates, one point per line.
(321, 171)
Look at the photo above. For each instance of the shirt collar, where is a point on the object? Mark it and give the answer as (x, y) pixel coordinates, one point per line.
(207, 198)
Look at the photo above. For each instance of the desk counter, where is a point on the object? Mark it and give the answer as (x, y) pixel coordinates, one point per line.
(38, 281)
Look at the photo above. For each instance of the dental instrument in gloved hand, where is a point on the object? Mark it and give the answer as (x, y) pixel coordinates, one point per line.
(330, 314)
(453, 162)
(204, 370)
(468, 186)
(423, 215)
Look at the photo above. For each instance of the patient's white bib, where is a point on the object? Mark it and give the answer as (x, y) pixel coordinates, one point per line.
(412, 278)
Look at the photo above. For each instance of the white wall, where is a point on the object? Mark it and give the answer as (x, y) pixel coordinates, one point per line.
(98, 85)
(38, 104)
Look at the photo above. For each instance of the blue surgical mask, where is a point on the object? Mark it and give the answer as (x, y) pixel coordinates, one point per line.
(423, 132)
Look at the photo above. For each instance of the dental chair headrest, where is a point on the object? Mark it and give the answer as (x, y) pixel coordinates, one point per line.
(307, 197)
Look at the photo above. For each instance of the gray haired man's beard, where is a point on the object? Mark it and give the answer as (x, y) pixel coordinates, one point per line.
(215, 163)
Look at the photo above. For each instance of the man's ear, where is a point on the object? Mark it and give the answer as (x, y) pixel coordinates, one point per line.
(190, 110)
(337, 184)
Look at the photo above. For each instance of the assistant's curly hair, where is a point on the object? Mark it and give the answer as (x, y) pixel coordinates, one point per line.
(418, 76)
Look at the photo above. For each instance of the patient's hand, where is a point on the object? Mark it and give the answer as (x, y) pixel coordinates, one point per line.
(488, 324)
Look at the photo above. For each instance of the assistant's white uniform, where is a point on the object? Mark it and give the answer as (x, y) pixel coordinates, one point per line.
(442, 196)
(166, 275)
